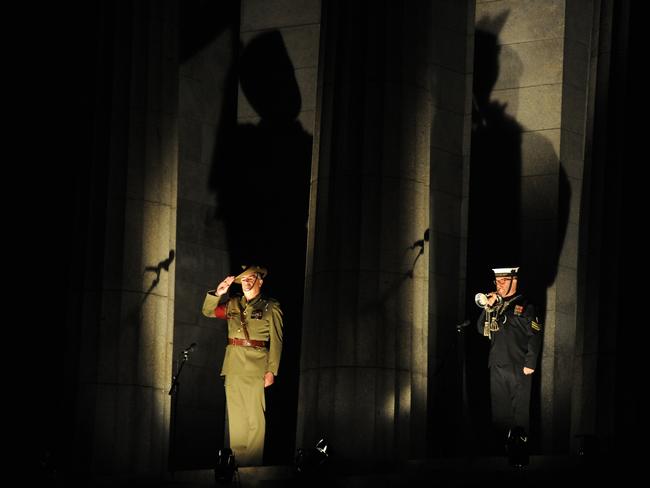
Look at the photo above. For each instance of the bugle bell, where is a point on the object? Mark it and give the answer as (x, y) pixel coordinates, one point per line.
(482, 300)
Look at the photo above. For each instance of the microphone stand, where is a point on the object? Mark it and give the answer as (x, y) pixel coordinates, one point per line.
(173, 392)
(462, 373)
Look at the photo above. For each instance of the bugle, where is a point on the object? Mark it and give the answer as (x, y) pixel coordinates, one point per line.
(482, 299)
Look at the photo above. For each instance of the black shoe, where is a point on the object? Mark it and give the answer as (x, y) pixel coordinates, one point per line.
(517, 447)
(225, 467)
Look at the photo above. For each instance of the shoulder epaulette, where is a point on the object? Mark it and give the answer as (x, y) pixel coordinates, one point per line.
(270, 301)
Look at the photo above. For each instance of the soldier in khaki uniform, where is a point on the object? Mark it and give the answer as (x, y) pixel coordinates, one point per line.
(251, 361)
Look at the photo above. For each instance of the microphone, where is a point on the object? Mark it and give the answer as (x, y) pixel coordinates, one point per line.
(193, 346)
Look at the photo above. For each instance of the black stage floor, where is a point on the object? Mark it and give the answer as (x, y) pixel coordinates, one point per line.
(541, 471)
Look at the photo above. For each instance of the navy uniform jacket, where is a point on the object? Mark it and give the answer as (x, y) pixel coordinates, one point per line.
(519, 338)
(263, 318)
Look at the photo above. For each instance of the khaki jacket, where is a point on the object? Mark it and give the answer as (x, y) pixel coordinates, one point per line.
(264, 323)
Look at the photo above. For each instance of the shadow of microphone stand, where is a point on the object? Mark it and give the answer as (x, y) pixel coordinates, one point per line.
(173, 392)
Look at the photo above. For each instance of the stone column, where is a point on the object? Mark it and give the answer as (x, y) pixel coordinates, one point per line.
(209, 40)
(363, 371)
(127, 298)
(603, 386)
(452, 33)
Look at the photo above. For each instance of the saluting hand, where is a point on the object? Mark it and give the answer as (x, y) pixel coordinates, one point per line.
(224, 285)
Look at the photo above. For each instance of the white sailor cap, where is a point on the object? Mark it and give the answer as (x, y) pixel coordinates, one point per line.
(498, 272)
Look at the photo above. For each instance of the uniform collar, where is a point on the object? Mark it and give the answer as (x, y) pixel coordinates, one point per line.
(512, 298)
(252, 302)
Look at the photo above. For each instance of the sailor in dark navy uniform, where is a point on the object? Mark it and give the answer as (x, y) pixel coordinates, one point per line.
(511, 324)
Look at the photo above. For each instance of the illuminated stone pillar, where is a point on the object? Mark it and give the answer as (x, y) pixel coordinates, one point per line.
(127, 298)
(363, 372)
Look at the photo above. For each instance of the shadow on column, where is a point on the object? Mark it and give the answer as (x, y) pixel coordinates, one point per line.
(261, 174)
(497, 234)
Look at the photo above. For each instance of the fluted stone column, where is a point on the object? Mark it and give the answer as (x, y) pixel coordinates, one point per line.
(452, 32)
(602, 417)
(363, 372)
(128, 298)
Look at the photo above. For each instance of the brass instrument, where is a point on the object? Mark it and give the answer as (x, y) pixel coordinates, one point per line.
(482, 300)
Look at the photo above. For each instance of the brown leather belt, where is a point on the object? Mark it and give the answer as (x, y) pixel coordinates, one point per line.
(248, 343)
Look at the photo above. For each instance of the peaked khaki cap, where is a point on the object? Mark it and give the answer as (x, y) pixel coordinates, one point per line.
(251, 270)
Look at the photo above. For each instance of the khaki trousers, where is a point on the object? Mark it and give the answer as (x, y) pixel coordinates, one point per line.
(246, 423)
